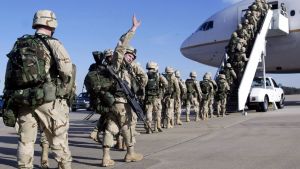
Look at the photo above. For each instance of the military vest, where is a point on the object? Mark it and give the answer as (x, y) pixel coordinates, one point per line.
(190, 86)
(222, 89)
(152, 87)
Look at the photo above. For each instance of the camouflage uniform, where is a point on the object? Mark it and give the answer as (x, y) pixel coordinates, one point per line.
(212, 96)
(221, 95)
(207, 89)
(122, 116)
(229, 73)
(172, 93)
(193, 96)
(178, 101)
(53, 117)
(156, 83)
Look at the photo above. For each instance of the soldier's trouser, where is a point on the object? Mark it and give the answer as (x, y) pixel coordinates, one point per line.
(177, 105)
(192, 102)
(221, 106)
(211, 106)
(205, 108)
(54, 120)
(153, 108)
(121, 118)
(170, 110)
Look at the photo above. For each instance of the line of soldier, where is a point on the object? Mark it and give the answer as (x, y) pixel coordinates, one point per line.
(241, 42)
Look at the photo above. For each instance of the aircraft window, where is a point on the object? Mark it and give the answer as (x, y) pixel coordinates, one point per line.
(206, 26)
(293, 13)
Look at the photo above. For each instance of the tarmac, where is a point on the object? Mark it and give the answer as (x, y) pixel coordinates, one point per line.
(257, 141)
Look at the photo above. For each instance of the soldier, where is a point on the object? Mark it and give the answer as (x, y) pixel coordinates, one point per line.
(156, 83)
(43, 97)
(101, 59)
(239, 62)
(232, 43)
(221, 95)
(207, 91)
(229, 73)
(178, 102)
(193, 93)
(212, 95)
(249, 28)
(122, 116)
(172, 93)
(242, 33)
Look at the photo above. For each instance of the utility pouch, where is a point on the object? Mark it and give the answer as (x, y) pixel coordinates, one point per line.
(49, 90)
(108, 99)
(9, 117)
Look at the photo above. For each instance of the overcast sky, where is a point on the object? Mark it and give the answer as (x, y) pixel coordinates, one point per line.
(88, 25)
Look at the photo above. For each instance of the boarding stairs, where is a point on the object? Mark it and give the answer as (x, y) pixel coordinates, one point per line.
(274, 24)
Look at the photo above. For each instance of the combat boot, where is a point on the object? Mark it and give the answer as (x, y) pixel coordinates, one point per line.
(172, 123)
(168, 123)
(66, 165)
(132, 156)
(159, 126)
(94, 135)
(155, 126)
(179, 122)
(44, 157)
(197, 117)
(188, 118)
(107, 161)
(148, 131)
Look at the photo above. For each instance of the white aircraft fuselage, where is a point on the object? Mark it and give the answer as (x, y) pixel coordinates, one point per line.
(207, 44)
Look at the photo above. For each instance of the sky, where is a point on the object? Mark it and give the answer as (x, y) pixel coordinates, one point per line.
(88, 25)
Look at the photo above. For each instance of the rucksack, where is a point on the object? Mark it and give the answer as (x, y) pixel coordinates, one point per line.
(190, 86)
(205, 87)
(98, 84)
(222, 86)
(26, 63)
(152, 87)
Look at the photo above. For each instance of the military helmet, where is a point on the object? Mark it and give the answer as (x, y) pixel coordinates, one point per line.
(228, 65)
(207, 76)
(131, 50)
(177, 73)
(193, 74)
(151, 65)
(45, 18)
(240, 26)
(234, 34)
(243, 49)
(246, 21)
(222, 76)
(108, 52)
(169, 70)
(253, 7)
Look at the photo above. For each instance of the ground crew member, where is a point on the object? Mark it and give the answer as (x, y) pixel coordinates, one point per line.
(193, 96)
(153, 105)
(50, 75)
(178, 102)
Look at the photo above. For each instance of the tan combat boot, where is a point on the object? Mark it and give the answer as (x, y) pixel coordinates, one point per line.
(94, 135)
(159, 126)
(155, 126)
(149, 128)
(172, 123)
(188, 118)
(44, 157)
(168, 123)
(197, 117)
(132, 156)
(178, 122)
(107, 161)
(66, 165)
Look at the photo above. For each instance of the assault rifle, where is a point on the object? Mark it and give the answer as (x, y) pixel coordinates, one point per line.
(130, 96)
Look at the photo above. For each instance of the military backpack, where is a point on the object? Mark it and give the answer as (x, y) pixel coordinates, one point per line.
(99, 84)
(152, 87)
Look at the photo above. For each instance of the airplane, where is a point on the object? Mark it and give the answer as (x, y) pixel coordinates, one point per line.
(207, 44)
